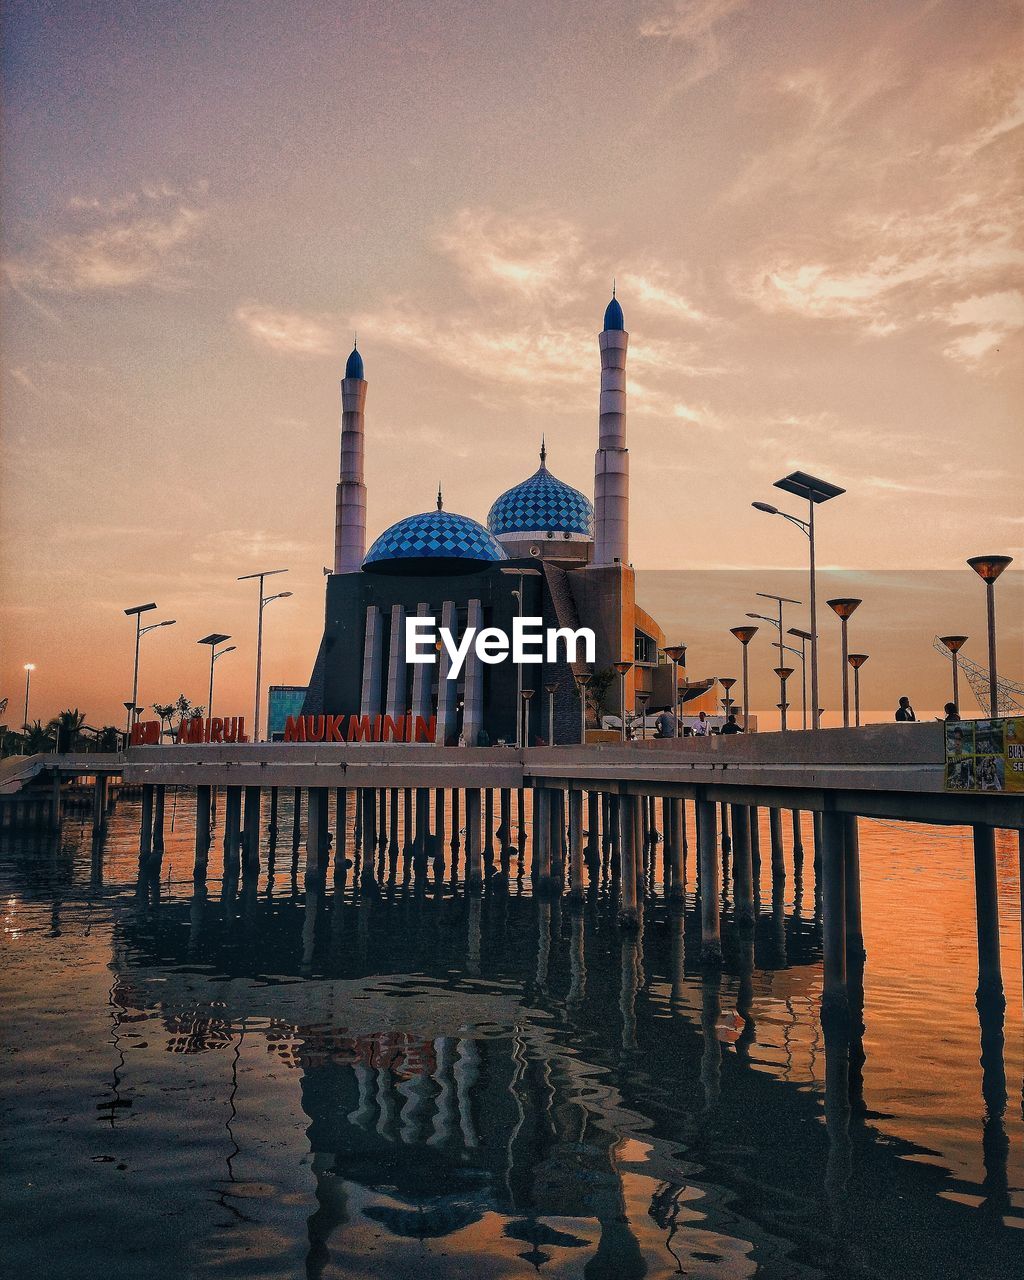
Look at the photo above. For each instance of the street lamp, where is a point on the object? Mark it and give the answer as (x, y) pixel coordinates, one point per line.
(524, 733)
(954, 644)
(620, 669)
(643, 697)
(676, 653)
(780, 601)
(137, 611)
(988, 568)
(518, 593)
(803, 637)
(744, 635)
(843, 608)
(727, 683)
(856, 660)
(551, 689)
(213, 641)
(783, 673)
(582, 680)
(29, 668)
(264, 601)
(814, 491)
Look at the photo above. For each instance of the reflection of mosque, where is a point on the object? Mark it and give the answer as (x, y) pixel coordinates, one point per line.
(546, 1073)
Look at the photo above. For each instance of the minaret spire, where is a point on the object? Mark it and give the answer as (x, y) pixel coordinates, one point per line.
(611, 465)
(350, 509)
(440, 500)
(543, 453)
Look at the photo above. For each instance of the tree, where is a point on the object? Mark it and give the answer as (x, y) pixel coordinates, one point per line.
(186, 711)
(164, 710)
(66, 727)
(597, 691)
(38, 740)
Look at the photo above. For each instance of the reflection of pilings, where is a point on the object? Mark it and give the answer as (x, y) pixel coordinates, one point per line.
(628, 989)
(639, 842)
(159, 801)
(251, 830)
(474, 853)
(202, 833)
(779, 919)
(986, 893)
(710, 889)
(576, 845)
(742, 868)
(443, 1126)
(310, 913)
(778, 850)
(368, 805)
(995, 1145)
(558, 846)
(466, 1072)
(628, 915)
(232, 829)
(677, 852)
(366, 1110)
(710, 1012)
(577, 956)
(677, 933)
(473, 936)
(543, 944)
(745, 996)
(837, 1089)
(99, 800)
(146, 827)
(417, 1094)
(833, 874)
(541, 865)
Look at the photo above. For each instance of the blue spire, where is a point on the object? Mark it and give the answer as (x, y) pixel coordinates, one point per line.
(613, 313)
(354, 365)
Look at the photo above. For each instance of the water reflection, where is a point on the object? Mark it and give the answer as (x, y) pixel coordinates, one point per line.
(498, 1082)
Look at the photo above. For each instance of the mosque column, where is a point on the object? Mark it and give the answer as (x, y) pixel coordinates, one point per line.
(397, 666)
(473, 697)
(373, 654)
(447, 729)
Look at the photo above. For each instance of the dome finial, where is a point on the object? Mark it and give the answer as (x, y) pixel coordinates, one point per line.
(613, 286)
(543, 452)
(440, 500)
(354, 364)
(613, 318)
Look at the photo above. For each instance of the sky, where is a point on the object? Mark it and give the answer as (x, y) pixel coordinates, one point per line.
(811, 211)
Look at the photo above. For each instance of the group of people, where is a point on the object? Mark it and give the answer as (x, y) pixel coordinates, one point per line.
(905, 713)
(701, 727)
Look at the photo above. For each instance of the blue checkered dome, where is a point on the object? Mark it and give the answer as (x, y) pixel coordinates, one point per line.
(433, 542)
(542, 505)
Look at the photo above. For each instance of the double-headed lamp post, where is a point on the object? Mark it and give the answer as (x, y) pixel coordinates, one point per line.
(815, 491)
(518, 593)
(783, 673)
(213, 641)
(843, 607)
(856, 660)
(29, 668)
(988, 569)
(582, 681)
(264, 601)
(954, 644)
(744, 635)
(551, 688)
(137, 611)
(676, 653)
(803, 637)
(727, 683)
(524, 698)
(621, 669)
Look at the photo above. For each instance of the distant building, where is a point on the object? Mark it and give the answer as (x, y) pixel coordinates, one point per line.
(573, 555)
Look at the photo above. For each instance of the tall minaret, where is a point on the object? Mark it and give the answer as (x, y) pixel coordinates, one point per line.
(350, 513)
(611, 466)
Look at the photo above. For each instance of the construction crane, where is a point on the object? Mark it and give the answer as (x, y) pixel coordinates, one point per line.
(1010, 694)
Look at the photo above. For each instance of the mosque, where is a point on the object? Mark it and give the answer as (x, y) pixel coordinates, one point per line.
(545, 551)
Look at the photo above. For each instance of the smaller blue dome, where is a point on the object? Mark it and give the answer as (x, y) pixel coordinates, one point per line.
(354, 365)
(613, 315)
(541, 505)
(433, 542)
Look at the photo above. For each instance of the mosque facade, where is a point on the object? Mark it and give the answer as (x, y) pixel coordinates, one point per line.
(545, 550)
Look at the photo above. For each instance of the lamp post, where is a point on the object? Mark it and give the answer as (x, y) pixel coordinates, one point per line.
(620, 669)
(518, 593)
(643, 697)
(582, 681)
(264, 601)
(137, 611)
(744, 635)
(843, 608)
(856, 660)
(29, 668)
(524, 696)
(213, 641)
(783, 673)
(954, 644)
(988, 568)
(677, 654)
(803, 637)
(780, 601)
(727, 683)
(814, 491)
(551, 689)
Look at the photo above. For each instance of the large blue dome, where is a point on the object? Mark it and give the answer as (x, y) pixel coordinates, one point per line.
(542, 505)
(433, 542)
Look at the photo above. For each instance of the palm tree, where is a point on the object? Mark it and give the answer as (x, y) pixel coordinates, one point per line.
(37, 739)
(164, 710)
(66, 727)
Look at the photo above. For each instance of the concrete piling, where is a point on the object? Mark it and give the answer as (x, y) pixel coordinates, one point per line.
(251, 829)
(778, 849)
(146, 828)
(474, 849)
(990, 978)
(833, 874)
(316, 835)
(576, 845)
(232, 829)
(742, 867)
(710, 887)
(202, 834)
(629, 916)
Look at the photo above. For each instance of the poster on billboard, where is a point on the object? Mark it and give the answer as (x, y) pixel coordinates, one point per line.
(985, 755)
(283, 700)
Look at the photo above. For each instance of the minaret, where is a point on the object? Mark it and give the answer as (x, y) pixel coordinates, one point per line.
(611, 466)
(350, 513)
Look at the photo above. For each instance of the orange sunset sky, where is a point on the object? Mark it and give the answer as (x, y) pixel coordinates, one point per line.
(812, 211)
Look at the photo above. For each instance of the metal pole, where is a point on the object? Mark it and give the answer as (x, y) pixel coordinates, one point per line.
(28, 682)
(551, 719)
(135, 677)
(993, 680)
(803, 680)
(856, 695)
(746, 691)
(519, 676)
(622, 703)
(846, 678)
(259, 665)
(815, 716)
(209, 701)
(956, 684)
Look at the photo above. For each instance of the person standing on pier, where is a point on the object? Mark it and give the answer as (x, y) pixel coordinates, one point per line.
(702, 729)
(905, 712)
(731, 726)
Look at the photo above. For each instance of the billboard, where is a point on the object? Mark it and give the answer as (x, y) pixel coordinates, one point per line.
(985, 755)
(283, 700)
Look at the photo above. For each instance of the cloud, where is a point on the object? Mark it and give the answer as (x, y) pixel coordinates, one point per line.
(695, 24)
(289, 332)
(147, 239)
(657, 296)
(988, 319)
(531, 256)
